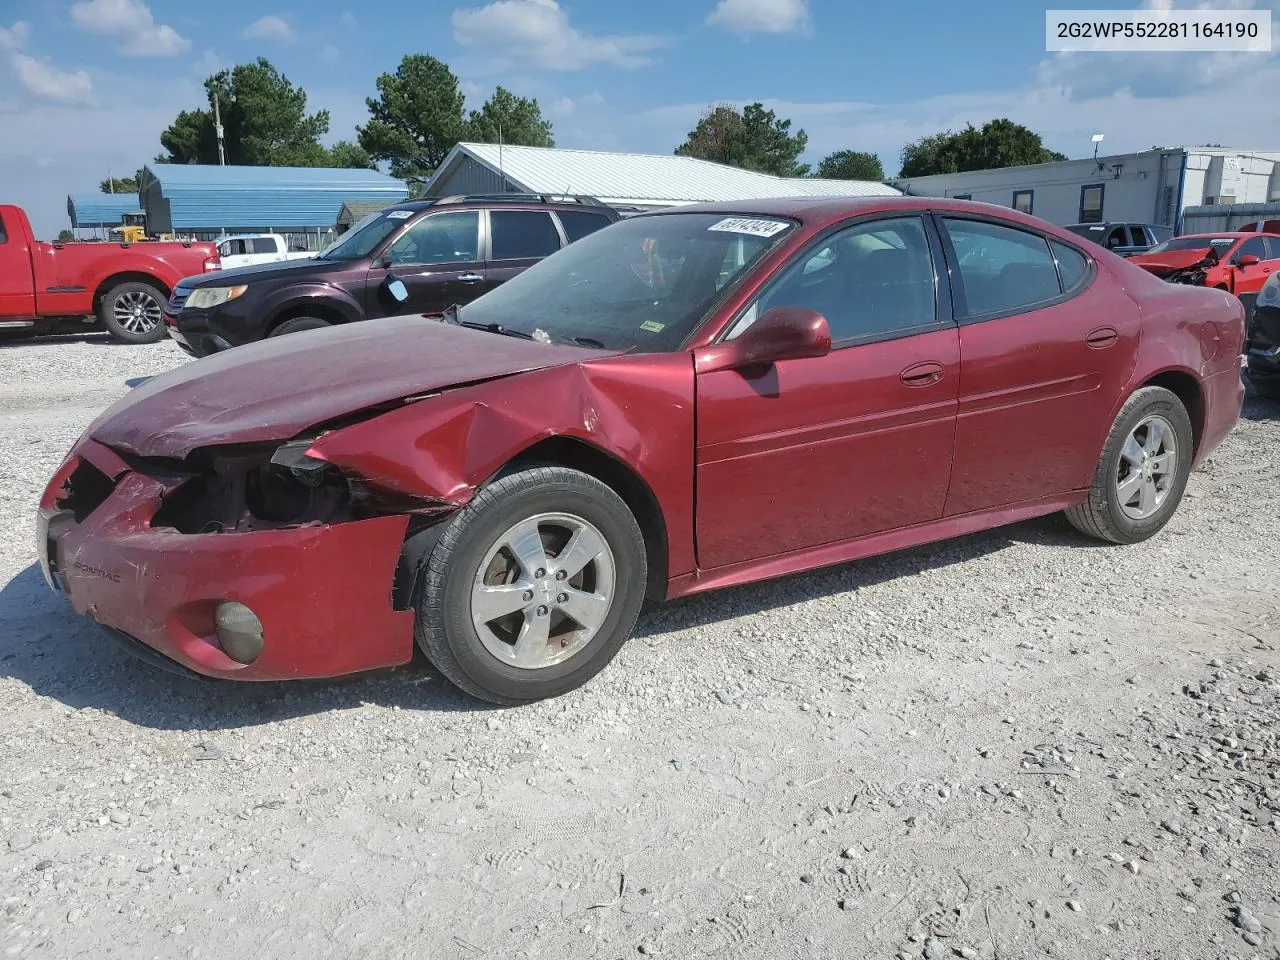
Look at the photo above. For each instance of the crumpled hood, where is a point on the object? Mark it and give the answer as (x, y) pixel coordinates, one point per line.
(275, 389)
(1163, 264)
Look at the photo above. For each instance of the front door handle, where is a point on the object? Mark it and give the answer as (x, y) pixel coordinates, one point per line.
(922, 374)
(468, 278)
(1102, 337)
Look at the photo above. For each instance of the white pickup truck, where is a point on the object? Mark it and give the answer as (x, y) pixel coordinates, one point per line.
(251, 249)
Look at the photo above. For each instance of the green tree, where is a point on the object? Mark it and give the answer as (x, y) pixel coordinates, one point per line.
(119, 184)
(416, 118)
(755, 139)
(344, 153)
(264, 118)
(65, 236)
(999, 143)
(851, 165)
(506, 118)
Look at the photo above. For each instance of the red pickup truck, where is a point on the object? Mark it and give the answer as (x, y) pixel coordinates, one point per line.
(123, 285)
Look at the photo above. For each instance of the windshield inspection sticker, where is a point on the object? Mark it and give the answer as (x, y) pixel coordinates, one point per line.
(757, 228)
(399, 214)
(652, 326)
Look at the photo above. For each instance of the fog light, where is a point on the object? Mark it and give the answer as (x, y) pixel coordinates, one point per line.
(239, 631)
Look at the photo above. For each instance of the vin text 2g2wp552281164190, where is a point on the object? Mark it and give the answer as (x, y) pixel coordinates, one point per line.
(680, 401)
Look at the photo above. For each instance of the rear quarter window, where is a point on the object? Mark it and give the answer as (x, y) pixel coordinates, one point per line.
(579, 223)
(1073, 268)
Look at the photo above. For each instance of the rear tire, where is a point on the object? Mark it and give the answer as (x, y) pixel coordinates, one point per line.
(549, 633)
(1142, 472)
(134, 313)
(298, 324)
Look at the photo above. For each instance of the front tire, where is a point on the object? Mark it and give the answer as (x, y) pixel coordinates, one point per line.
(134, 313)
(533, 587)
(298, 324)
(1142, 472)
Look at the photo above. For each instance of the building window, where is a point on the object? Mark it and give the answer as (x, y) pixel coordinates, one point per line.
(1024, 200)
(963, 196)
(1091, 202)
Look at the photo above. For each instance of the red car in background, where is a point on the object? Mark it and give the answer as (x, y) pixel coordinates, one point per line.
(123, 285)
(678, 402)
(1236, 261)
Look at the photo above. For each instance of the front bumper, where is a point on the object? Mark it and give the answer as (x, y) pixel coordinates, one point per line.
(322, 593)
(190, 329)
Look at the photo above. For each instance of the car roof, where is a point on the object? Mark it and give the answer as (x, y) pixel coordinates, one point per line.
(1119, 223)
(821, 211)
(510, 200)
(1222, 235)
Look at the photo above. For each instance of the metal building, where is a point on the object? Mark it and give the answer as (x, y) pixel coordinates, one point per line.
(96, 211)
(642, 180)
(1154, 186)
(202, 202)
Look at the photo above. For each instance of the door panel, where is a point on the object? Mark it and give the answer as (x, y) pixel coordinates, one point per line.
(17, 285)
(438, 259)
(822, 450)
(1036, 391)
(517, 240)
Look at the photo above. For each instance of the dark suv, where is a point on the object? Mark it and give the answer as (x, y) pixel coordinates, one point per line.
(443, 252)
(1125, 239)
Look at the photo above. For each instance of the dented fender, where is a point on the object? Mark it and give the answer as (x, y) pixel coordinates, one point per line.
(636, 409)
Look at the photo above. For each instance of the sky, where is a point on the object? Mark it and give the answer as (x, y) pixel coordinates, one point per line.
(86, 86)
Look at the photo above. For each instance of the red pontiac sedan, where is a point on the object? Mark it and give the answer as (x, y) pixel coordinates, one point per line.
(682, 401)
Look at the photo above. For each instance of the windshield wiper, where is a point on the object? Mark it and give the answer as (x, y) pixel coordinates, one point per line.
(588, 342)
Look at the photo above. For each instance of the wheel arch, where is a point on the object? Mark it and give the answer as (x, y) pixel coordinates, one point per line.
(575, 454)
(319, 309)
(109, 283)
(1185, 385)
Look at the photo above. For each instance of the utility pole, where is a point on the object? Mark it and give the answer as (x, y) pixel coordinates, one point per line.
(217, 129)
(111, 184)
(502, 174)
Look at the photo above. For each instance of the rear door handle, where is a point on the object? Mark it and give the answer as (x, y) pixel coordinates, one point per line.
(922, 374)
(469, 278)
(1102, 337)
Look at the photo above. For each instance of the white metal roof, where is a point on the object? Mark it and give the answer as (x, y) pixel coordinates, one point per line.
(642, 178)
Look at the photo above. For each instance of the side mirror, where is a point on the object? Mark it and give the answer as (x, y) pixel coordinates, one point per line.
(1248, 260)
(397, 289)
(783, 333)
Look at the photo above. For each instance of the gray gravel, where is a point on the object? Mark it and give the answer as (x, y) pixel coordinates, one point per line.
(1014, 744)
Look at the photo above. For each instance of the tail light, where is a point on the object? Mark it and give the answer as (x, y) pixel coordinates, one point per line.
(212, 263)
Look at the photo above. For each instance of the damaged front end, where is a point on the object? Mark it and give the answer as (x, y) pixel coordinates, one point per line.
(256, 487)
(1189, 267)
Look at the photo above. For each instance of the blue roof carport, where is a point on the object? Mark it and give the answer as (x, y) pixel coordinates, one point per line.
(191, 197)
(100, 209)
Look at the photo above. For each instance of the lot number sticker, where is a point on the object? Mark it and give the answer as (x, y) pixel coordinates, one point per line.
(399, 214)
(757, 228)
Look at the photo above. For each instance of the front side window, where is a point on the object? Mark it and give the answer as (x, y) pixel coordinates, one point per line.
(1253, 247)
(232, 248)
(646, 283)
(522, 235)
(870, 281)
(1023, 200)
(1091, 203)
(1001, 269)
(1117, 238)
(439, 238)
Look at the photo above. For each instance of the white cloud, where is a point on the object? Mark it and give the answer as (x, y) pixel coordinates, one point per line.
(539, 32)
(15, 37)
(45, 81)
(37, 76)
(131, 23)
(348, 19)
(762, 16)
(270, 28)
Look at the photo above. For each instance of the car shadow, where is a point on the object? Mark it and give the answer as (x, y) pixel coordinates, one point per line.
(1257, 407)
(67, 658)
(16, 339)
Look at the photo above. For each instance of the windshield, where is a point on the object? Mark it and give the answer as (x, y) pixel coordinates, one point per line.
(365, 235)
(1219, 244)
(644, 283)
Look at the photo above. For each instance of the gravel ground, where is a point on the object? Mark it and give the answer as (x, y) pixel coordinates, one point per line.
(1009, 745)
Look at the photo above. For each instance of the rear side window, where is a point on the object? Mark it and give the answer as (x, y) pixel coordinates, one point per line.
(522, 234)
(264, 245)
(578, 223)
(1002, 270)
(1073, 268)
